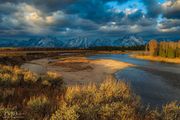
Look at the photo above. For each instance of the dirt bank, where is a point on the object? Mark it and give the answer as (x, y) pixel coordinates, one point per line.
(80, 70)
(19, 59)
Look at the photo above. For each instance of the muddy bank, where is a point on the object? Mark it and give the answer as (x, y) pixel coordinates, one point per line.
(18, 58)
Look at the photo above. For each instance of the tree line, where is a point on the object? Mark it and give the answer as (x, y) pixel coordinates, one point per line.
(109, 48)
(164, 49)
(121, 48)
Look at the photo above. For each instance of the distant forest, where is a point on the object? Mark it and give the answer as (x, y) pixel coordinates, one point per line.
(164, 49)
(121, 48)
(99, 48)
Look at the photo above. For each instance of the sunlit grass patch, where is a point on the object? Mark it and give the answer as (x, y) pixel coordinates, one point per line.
(171, 111)
(9, 113)
(110, 99)
(26, 91)
(38, 106)
(13, 76)
(53, 80)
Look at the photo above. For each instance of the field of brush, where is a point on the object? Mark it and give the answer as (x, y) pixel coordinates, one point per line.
(26, 95)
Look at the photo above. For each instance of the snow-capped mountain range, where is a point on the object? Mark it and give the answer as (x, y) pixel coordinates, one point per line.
(78, 42)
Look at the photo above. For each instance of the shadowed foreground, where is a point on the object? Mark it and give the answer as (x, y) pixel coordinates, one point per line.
(24, 95)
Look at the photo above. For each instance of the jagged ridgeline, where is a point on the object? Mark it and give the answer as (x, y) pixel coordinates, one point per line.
(164, 49)
(77, 42)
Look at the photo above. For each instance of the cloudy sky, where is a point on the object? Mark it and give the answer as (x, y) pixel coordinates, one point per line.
(100, 18)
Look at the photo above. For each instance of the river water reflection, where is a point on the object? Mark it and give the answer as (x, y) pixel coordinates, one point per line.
(156, 83)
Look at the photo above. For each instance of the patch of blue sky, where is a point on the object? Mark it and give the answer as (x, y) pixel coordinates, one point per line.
(162, 1)
(131, 4)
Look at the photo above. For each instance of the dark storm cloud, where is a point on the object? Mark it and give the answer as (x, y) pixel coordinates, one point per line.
(147, 22)
(137, 18)
(170, 23)
(153, 8)
(136, 15)
(171, 9)
(77, 14)
(95, 10)
(89, 9)
(75, 22)
(7, 8)
(44, 5)
(53, 5)
(70, 17)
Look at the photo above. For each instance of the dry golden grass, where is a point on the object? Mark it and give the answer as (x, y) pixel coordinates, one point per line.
(14, 75)
(39, 106)
(73, 60)
(11, 54)
(109, 100)
(53, 75)
(27, 92)
(157, 58)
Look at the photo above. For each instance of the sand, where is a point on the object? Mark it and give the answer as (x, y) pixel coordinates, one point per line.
(80, 70)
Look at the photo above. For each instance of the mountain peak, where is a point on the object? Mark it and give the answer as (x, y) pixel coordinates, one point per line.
(77, 42)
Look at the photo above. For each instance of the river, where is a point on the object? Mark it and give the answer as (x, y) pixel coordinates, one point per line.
(155, 82)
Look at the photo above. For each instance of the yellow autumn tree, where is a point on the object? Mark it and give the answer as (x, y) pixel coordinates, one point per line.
(153, 47)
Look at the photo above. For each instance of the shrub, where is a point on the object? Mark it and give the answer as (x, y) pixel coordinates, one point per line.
(65, 113)
(46, 83)
(7, 94)
(8, 113)
(52, 75)
(53, 79)
(151, 114)
(39, 104)
(5, 79)
(12, 76)
(116, 111)
(109, 100)
(30, 77)
(6, 69)
(171, 111)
